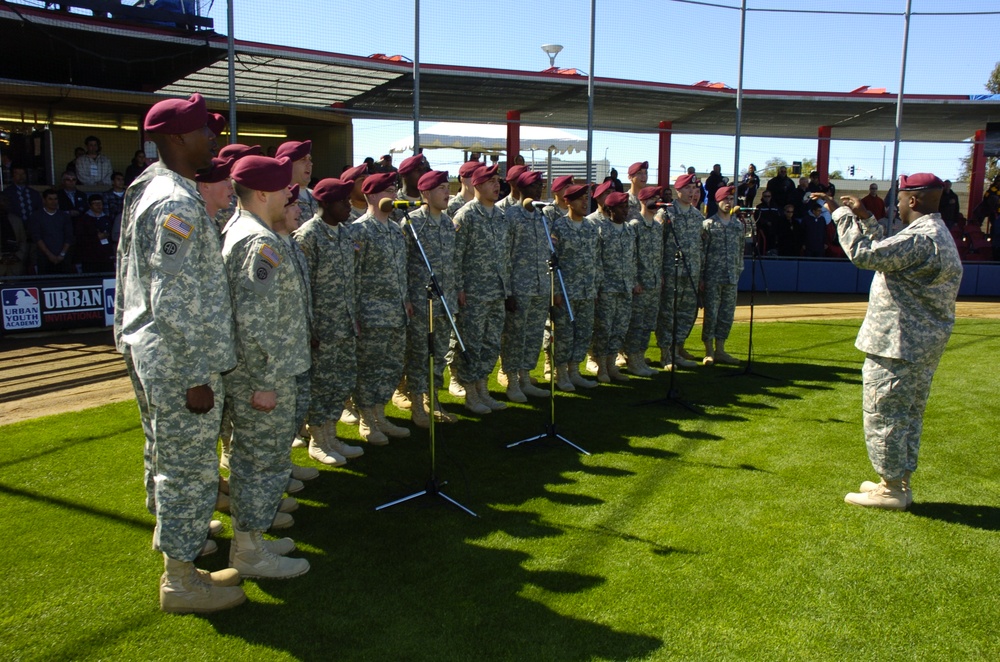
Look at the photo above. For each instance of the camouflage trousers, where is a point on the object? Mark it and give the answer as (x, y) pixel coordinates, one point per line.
(573, 340)
(301, 399)
(645, 307)
(148, 471)
(417, 353)
(380, 364)
(481, 324)
(687, 310)
(894, 396)
(720, 306)
(522, 334)
(260, 463)
(181, 463)
(611, 317)
(333, 375)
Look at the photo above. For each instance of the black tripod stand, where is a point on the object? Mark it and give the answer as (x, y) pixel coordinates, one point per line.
(754, 262)
(551, 432)
(433, 486)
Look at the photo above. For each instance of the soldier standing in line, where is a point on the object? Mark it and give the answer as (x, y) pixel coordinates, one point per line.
(524, 326)
(357, 175)
(383, 310)
(437, 235)
(214, 186)
(575, 239)
(559, 206)
(514, 197)
(174, 327)
(723, 239)
(329, 249)
(682, 224)
(482, 253)
(617, 264)
(466, 193)
(649, 275)
(911, 312)
(269, 308)
(300, 154)
(638, 173)
(410, 171)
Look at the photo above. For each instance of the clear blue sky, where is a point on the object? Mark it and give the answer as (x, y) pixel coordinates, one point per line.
(666, 41)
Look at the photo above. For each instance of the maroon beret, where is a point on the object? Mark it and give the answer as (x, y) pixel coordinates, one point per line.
(637, 166)
(293, 195)
(724, 192)
(484, 174)
(431, 180)
(650, 192)
(559, 183)
(528, 177)
(377, 183)
(262, 173)
(514, 172)
(412, 163)
(294, 149)
(176, 116)
(603, 188)
(468, 168)
(238, 151)
(332, 190)
(355, 172)
(575, 191)
(216, 123)
(218, 171)
(683, 181)
(919, 181)
(615, 198)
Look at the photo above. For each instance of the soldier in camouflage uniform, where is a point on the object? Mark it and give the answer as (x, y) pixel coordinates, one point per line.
(329, 250)
(410, 171)
(269, 307)
(173, 325)
(558, 207)
(216, 189)
(437, 236)
(359, 205)
(514, 197)
(383, 310)
(649, 274)
(575, 239)
(638, 174)
(682, 225)
(300, 154)
(911, 312)
(525, 325)
(467, 192)
(723, 250)
(617, 263)
(482, 255)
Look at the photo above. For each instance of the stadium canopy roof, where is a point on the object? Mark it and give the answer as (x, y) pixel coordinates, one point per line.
(130, 66)
(491, 138)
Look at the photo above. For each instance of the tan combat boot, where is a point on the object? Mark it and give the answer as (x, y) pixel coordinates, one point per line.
(252, 558)
(184, 591)
(563, 382)
(418, 412)
(502, 379)
(530, 389)
(338, 445)
(577, 378)
(388, 427)
(473, 402)
(888, 494)
(441, 415)
(401, 396)
(613, 372)
(368, 427)
(455, 387)
(514, 390)
(484, 396)
(602, 370)
(868, 486)
(319, 449)
(350, 413)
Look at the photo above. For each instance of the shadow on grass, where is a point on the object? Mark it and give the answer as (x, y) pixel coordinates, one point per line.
(986, 518)
(70, 443)
(145, 524)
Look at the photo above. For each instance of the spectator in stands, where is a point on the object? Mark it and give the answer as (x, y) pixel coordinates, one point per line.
(135, 168)
(369, 163)
(616, 184)
(788, 233)
(51, 231)
(781, 188)
(385, 164)
(93, 168)
(71, 201)
(77, 153)
(768, 218)
(747, 191)
(24, 200)
(114, 202)
(873, 202)
(13, 241)
(712, 184)
(92, 248)
(814, 185)
(814, 235)
(800, 197)
(949, 207)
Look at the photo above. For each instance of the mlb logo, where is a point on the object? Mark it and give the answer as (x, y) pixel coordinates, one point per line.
(21, 309)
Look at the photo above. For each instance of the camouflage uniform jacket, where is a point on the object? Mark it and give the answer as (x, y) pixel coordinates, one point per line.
(482, 251)
(330, 252)
(308, 205)
(302, 270)
(686, 225)
(648, 252)
(172, 303)
(268, 303)
(634, 208)
(506, 203)
(356, 213)
(529, 253)
(576, 246)
(911, 307)
(456, 202)
(438, 240)
(616, 257)
(397, 215)
(723, 250)
(380, 273)
(554, 212)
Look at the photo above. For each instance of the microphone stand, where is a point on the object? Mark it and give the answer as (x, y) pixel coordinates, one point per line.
(550, 430)
(754, 262)
(433, 486)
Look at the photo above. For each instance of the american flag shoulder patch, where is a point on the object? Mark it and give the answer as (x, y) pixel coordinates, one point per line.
(178, 226)
(269, 255)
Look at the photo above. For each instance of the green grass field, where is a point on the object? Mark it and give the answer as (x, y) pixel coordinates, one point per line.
(714, 536)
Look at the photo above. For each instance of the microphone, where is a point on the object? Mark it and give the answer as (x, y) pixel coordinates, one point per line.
(388, 204)
(663, 205)
(530, 204)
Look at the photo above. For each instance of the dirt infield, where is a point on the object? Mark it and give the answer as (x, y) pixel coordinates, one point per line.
(52, 374)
